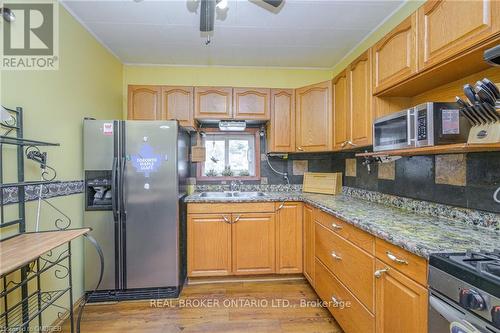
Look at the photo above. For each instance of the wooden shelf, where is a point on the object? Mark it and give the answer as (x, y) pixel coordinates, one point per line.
(22, 249)
(435, 150)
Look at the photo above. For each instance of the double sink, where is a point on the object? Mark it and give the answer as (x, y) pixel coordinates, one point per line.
(232, 194)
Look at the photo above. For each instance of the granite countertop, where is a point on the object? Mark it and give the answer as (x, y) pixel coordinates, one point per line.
(418, 233)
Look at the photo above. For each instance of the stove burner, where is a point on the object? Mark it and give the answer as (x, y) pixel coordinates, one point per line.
(483, 262)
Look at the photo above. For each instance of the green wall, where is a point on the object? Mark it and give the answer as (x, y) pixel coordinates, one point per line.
(88, 83)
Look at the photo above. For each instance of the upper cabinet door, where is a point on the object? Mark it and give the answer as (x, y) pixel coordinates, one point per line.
(177, 104)
(341, 130)
(251, 104)
(314, 117)
(360, 101)
(282, 125)
(394, 56)
(144, 103)
(213, 103)
(449, 27)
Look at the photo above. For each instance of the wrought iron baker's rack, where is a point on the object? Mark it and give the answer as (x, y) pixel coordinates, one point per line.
(22, 299)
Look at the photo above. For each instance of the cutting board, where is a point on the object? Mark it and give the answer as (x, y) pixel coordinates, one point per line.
(325, 183)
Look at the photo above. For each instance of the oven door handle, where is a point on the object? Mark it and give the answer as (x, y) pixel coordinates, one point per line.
(447, 311)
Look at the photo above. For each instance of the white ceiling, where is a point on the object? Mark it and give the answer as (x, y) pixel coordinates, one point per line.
(302, 34)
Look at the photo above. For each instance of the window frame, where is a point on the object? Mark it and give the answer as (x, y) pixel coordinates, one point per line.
(200, 169)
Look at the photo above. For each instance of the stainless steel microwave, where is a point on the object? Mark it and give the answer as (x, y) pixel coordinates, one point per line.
(427, 124)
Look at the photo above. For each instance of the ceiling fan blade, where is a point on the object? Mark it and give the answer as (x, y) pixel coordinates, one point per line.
(207, 15)
(274, 3)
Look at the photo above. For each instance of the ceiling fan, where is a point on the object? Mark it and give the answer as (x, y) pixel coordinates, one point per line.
(208, 7)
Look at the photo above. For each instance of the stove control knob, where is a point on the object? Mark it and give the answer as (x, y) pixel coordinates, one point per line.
(495, 316)
(471, 299)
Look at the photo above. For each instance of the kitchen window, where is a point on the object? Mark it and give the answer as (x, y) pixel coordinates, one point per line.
(231, 155)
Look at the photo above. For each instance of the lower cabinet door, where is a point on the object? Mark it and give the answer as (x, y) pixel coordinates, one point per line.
(289, 237)
(347, 310)
(209, 244)
(401, 303)
(253, 243)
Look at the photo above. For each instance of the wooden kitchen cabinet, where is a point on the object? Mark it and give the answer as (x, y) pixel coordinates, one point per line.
(253, 243)
(251, 103)
(309, 256)
(213, 103)
(177, 104)
(144, 102)
(395, 55)
(281, 129)
(314, 117)
(341, 128)
(360, 101)
(401, 303)
(348, 311)
(448, 27)
(351, 265)
(289, 234)
(208, 244)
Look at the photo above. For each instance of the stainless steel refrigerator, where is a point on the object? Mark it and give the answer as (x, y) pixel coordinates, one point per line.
(135, 176)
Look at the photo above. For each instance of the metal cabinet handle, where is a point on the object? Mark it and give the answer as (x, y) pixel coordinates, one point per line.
(336, 226)
(226, 219)
(396, 259)
(344, 144)
(352, 144)
(237, 219)
(336, 256)
(300, 148)
(379, 272)
(281, 206)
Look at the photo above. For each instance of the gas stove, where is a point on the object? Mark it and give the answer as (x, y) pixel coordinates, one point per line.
(465, 289)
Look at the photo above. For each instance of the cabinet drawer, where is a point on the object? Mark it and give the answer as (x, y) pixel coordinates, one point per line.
(407, 263)
(346, 230)
(352, 316)
(224, 207)
(349, 263)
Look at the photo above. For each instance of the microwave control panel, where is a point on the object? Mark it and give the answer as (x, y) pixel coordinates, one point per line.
(422, 125)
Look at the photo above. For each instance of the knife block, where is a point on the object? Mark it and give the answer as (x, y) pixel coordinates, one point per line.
(486, 133)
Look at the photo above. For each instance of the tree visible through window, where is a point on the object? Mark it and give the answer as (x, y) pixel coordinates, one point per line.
(229, 155)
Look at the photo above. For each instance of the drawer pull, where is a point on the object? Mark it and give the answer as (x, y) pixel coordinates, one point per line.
(336, 226)
(226, 219)
(379, 273)
(336, 256)
(237, 218)
(396, 259)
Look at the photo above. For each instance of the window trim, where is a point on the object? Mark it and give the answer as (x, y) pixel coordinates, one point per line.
(215, 131)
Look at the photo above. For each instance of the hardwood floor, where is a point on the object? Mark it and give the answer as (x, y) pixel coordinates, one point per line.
(277, 306)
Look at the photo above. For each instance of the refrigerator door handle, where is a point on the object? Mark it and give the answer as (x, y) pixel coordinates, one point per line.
(114, 190)
(122, 186)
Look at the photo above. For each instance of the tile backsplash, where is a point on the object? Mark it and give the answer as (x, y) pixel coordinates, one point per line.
(462, 180)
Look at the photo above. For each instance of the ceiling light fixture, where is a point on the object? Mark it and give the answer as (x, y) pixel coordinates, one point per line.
(208, 8)
(222, 4)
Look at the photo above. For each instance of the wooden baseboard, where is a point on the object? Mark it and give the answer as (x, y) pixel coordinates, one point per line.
(245, 278)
